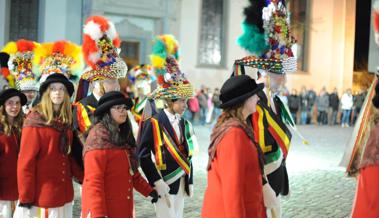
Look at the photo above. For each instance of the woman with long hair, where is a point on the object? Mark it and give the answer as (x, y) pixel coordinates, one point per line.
(110, 162)
(11, 118)
(235, 166)
(45, 165)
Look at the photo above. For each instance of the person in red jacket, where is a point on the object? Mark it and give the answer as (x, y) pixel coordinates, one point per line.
(45, 165)
(110, 162)
(11, 118)
(365, 163)
(235, 166)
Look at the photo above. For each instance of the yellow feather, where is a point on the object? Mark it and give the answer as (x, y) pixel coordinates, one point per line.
(157, 61)
(10, 48)
(11, 79)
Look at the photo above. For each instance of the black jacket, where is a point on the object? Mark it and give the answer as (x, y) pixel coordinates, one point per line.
(334, 101)
(146, 147)
(79, 137)
(278, 179)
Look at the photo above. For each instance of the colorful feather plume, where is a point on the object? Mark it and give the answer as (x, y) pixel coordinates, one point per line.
(100, 38)
(59, 57)
(20, 63)
(164, 46)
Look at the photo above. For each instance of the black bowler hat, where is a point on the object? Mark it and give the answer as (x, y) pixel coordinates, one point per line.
(11, 92)
(110, 99)
(57, 78)
(237, 89)
(375, 99)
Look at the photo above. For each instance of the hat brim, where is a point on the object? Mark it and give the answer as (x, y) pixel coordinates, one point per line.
(101, 109)
(242, 98)
(182, 91)
(69, 86)
(23, 99)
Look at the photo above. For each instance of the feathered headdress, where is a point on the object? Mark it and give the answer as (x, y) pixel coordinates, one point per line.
(141, 75)
(58, 57)
(100, 49)
(8, 78)
(20, 64)
(172, 83)
(267, 36)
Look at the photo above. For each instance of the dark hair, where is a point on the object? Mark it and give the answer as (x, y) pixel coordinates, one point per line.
(119, 135)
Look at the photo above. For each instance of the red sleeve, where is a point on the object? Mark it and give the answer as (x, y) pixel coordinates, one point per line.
(76, 170)
(26, 165)
(95, 163)
(232, 161)
(141, 185)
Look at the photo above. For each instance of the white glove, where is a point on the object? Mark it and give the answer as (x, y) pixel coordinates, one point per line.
(269, 196)
(190, 191)
(163, 191)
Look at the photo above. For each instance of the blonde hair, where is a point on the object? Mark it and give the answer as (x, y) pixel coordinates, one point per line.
(17, 122)
(46, 109)
(233, 112)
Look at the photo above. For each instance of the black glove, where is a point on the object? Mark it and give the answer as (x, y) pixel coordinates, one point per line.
(155, 196)
(27, 205)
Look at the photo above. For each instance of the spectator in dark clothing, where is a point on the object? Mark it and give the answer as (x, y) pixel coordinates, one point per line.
(294, 104)
(304, 105)
(311, 100)
(334, 103)
(322, 103)
(358, 103)
(216, 104)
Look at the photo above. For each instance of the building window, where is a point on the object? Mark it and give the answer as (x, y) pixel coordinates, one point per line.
(24, 20)
(211, 47)
(130, 53)
(300, 27)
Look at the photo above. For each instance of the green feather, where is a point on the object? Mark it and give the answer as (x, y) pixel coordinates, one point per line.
(159, 48)
(252, 40)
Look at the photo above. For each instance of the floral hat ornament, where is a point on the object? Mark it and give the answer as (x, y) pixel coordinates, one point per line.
(20, 65)
(101, 44)
(267, 36)
(172, 83)
(62, 57)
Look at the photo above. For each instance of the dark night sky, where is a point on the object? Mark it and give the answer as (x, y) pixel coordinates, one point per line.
(362, 34)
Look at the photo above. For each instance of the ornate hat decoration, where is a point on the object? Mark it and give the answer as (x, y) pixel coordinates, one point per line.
(142, 75)
(58, 57)
(100, 50)
(268, 37)
(20, 64)
(8, 78)
(172, 83)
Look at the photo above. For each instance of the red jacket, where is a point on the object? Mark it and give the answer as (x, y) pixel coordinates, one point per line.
(44, 172)
(108, 185)
(234, 181)
(8, 167)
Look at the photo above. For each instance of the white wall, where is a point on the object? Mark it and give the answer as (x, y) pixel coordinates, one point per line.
(60, 20)
(190, 20)
(4, 21)
(331, 47)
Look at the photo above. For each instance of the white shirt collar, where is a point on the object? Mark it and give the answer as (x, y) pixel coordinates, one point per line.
(172, 117)
(96, 96)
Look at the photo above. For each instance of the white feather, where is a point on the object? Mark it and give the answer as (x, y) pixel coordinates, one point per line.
(93, 30)
(111, 32)
(11, 66)
(94, 56)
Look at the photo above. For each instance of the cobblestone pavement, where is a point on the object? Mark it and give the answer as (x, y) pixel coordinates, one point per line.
(318, 186)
